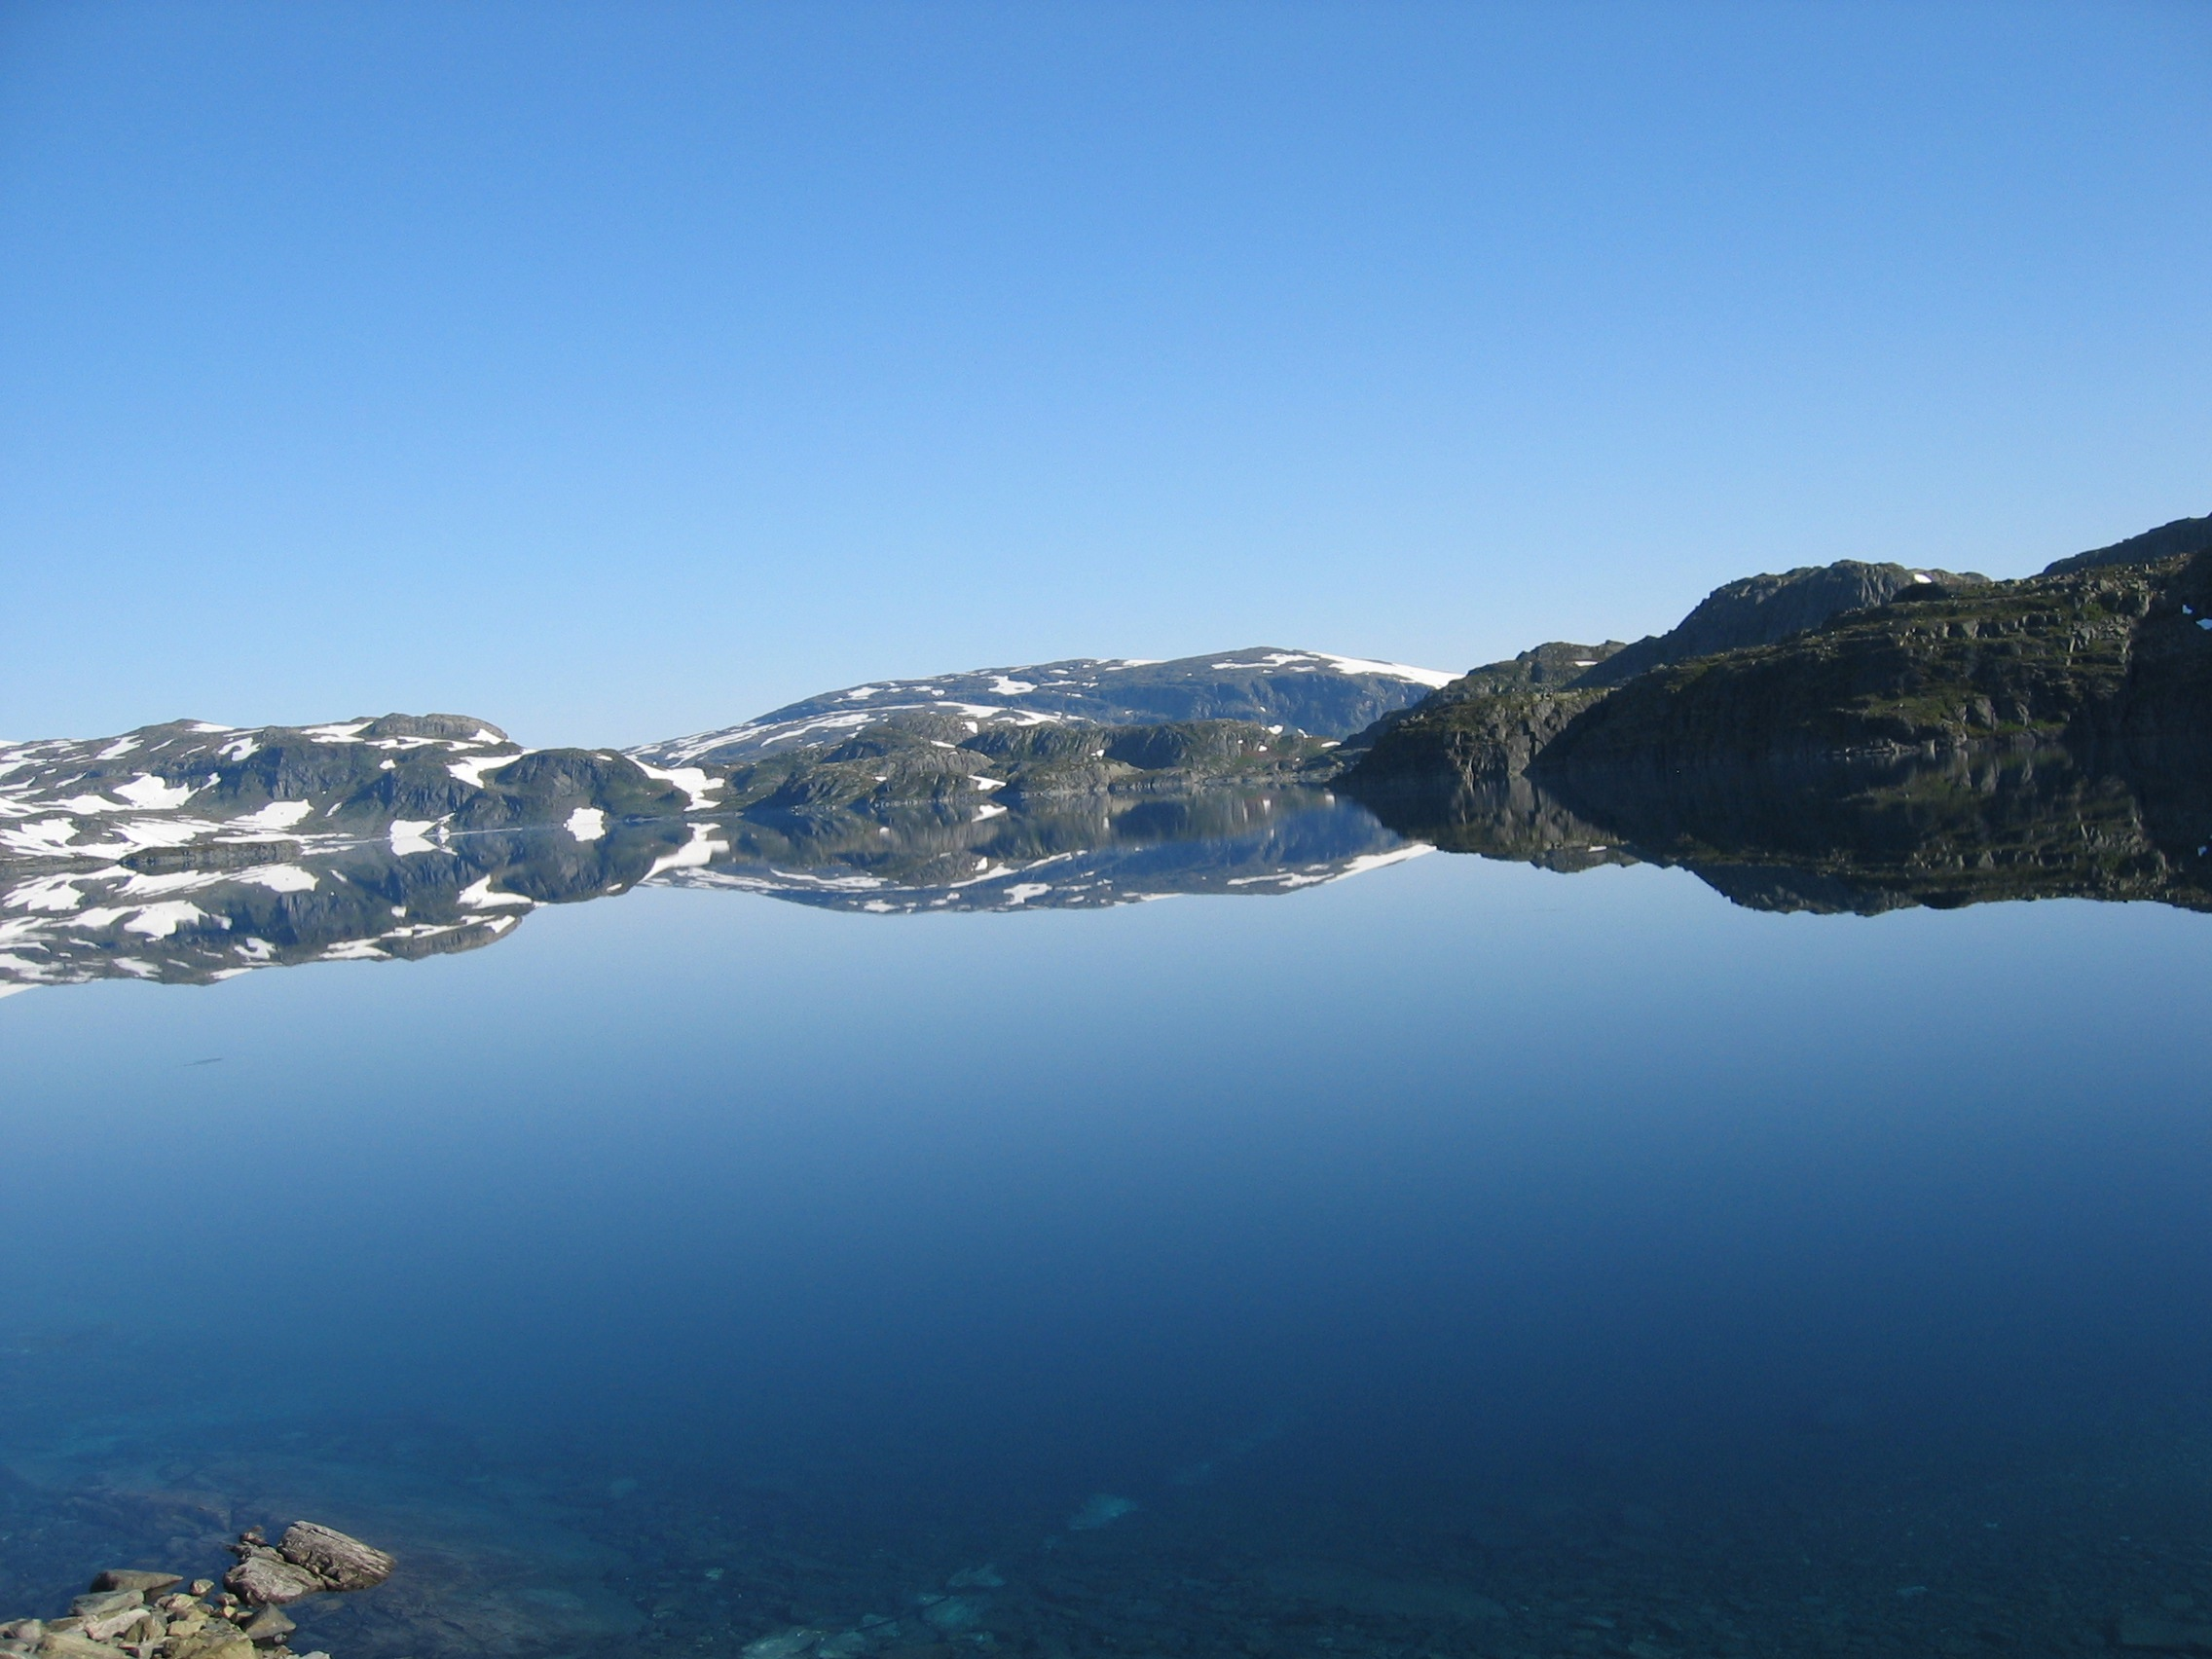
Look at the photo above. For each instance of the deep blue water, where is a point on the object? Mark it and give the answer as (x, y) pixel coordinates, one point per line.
(1584, 1244)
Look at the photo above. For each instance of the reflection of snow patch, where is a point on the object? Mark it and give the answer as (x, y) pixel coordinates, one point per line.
(159, 921)
(587, 824)
(699, 850)
(478, 896)
(49, 837)
(1378, 860)
(1021, 892)
(987, 810)
(407, 835)
(1316, 874)
(55, 893)
(281, 878)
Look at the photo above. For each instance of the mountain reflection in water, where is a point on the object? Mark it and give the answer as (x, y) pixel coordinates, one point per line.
(1838, 834)
(1854, 835)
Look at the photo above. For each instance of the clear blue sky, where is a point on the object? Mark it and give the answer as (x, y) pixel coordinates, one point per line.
(614, 371)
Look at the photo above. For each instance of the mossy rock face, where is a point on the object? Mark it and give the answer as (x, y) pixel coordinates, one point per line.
(1482, 736)
(2102, 655)
(1760, 611)
(952, 759)
(2080, 656)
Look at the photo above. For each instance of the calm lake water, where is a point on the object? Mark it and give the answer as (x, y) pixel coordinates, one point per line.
(1460, 1259)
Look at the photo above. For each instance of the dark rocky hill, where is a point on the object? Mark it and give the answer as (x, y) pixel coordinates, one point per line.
(1759, 611)
(2167, 541)
(2088, 656)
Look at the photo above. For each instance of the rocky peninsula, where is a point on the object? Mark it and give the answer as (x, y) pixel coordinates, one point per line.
(145, 1616)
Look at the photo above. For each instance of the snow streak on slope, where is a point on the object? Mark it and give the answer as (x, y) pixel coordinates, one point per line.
(1310, 691)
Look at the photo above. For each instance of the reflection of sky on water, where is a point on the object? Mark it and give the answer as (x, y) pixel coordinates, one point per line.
(1455, 1151)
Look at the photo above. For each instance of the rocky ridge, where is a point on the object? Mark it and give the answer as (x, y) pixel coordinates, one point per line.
(1313, 692)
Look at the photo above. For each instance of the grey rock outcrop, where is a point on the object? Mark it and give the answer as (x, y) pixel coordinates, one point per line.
(309, 1559)
(341, 1562)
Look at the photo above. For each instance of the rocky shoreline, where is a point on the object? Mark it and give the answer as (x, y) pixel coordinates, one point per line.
(143, 1614)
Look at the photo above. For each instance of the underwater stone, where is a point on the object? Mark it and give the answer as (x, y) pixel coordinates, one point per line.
(788, 1645)
(954, 1612)
(2163, 1636)
(131, 1578)
(1098, 1510)
(269, 1625)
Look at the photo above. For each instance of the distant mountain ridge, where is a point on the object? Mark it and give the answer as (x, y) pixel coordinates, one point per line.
(1315, 692)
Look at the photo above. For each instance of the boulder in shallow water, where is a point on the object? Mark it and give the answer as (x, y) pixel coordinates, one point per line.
(1100, 1509)
(789, 1645)
(72, 1644)
(340, 1561)
(263, 1577)
(269, 1625)
(217, 1641)
(2163, 1636)
(132, 1578)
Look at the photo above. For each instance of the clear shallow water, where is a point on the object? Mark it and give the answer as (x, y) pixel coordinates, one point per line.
(1441, 1261)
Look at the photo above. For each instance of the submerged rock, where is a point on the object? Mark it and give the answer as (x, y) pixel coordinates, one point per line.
(131, 1578)
(269, 1625)
(788, 1645)
(954, 1613)
(1100, 1509)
